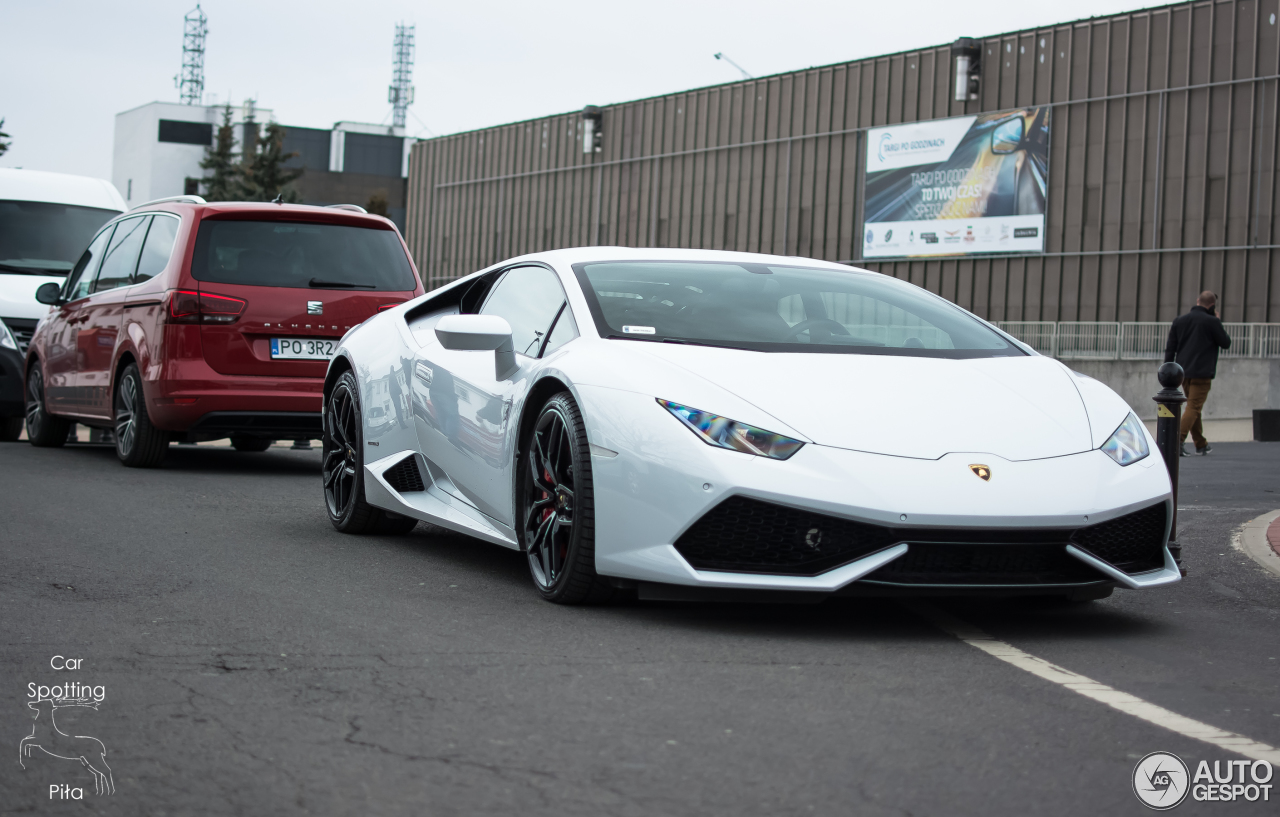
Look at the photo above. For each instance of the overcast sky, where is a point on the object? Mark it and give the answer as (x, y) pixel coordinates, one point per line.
(66, 68)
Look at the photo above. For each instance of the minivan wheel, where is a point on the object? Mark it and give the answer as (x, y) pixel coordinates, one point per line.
(342, 467)
(43, 429)
(138, 443)
(10, 429)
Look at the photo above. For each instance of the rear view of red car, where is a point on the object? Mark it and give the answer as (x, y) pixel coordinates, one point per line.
(187, 321)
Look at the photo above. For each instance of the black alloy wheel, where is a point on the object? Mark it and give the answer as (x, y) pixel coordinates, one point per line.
(342, 467)
(557, 509)
(139, 444)
(43, 429)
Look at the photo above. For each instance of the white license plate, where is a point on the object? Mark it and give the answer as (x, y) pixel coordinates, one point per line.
(302, 348)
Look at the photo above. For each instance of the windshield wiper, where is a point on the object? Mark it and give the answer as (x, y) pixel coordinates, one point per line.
(52, 273)
(316, 282)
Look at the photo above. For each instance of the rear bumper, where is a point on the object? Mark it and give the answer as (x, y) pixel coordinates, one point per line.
(11, 383)
(276, 425)
(179, 403)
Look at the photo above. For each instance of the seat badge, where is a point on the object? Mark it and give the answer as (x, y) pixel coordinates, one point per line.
(982, 472)
(315, 307)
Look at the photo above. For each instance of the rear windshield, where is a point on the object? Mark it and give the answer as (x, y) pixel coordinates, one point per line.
(46, 239)
(776, 308)
(295, 254)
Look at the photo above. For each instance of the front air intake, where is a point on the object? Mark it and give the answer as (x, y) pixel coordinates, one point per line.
(404, 477)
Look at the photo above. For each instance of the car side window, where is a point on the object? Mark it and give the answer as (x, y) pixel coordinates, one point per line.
(121, 260)
(157, 248)
(565, 330)
(529, 298)
(82, 275)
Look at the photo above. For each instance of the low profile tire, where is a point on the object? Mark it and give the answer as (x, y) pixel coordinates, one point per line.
(250, 444)
(557, 508)
(10, 429)
(342, 467)
(139, 444)
(44, 430)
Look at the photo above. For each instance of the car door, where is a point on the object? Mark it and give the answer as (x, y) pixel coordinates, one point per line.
(62, 334)
(102, 313)
(467, 429)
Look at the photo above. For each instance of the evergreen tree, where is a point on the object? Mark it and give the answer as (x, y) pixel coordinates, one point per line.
(223, 180)
(263, 174)
(4, 146)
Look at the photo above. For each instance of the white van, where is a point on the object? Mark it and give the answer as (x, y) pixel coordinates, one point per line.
(46, 221)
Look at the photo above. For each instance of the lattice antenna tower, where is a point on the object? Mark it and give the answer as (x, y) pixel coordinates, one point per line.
(400, 94)
(191, 81)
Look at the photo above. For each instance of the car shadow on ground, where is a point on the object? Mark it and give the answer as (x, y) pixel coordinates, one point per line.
(873, 617)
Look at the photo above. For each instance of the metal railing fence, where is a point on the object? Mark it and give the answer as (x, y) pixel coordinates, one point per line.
(1132, 340)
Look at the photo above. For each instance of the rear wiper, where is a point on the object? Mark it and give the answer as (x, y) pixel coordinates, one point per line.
(316, 282)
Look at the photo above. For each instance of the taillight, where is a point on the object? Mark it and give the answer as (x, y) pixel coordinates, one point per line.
(186, 306)
(385, 307)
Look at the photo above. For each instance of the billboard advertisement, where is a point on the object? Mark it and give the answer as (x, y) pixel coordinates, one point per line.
(959, 186)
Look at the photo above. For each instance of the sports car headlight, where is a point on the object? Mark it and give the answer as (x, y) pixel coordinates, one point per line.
(725, 433)
(1128, 444)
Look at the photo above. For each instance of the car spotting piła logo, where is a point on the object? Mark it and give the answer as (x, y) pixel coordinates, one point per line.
(1160, 780)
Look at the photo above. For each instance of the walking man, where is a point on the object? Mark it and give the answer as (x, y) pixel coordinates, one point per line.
(1194, 341)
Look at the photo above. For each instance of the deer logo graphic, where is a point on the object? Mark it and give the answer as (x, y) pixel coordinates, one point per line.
(48, 738)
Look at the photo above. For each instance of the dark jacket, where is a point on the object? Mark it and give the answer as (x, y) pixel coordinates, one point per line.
(1194, 340)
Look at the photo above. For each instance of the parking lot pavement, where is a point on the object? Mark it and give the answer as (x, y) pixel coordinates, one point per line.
(251, 660)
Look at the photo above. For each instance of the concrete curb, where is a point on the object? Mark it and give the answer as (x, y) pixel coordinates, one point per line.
(1252, 539)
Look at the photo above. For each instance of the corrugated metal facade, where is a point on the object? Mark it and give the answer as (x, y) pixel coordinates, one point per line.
(1162, 169)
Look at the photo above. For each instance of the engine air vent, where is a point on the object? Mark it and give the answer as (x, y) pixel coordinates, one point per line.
(404, 477)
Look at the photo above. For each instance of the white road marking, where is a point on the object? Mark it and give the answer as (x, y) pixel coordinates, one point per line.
(1089, 688)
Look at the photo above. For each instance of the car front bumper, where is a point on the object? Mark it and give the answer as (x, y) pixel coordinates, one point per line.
(654, 480)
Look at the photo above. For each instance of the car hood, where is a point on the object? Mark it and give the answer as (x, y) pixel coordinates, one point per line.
(18, 295)
(1017, 408)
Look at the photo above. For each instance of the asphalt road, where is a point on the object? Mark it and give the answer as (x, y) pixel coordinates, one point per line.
(255, 661)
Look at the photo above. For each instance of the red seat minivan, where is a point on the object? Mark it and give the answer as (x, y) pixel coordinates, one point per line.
(189, 321)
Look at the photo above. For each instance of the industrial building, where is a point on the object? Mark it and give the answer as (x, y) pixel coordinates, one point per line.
(1158, 129)
(159, 146)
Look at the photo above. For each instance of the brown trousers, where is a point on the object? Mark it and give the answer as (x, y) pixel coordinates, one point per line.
(1197, 391)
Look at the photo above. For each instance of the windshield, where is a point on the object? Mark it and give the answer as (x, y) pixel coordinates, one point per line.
(772, 308)
(294, 254)
(46, 239)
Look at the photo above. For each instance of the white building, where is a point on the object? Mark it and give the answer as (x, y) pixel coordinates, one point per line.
(159, 147)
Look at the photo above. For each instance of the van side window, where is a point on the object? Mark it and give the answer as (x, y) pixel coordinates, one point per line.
(82, 275)
(122, 255)
(157, 248)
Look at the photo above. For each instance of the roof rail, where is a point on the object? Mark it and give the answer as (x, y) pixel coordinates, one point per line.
(182, 199)
(355, 208)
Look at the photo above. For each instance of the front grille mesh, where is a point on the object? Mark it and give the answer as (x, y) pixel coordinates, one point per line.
(22, 329)
(1131, 542)
(750, 536)
(746, 535)
(404, 477)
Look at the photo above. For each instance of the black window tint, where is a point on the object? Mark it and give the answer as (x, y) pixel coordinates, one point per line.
(529, 298)
(298, 254)
(45, 237)
(565, 330)
(157, 248)
(185, 133)
(81, 278)
(122, 256)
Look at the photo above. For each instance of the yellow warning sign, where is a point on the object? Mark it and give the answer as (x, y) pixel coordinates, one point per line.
(1162, 410)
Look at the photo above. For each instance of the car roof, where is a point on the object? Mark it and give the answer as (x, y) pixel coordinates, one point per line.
(285, 212)
(579, 255)
(18, 184)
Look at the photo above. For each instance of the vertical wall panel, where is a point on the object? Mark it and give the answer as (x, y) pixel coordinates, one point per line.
(1164, 153)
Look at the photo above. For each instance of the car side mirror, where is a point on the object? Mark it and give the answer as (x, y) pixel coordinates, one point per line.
(49, 293)
(480, 333)
(1007, 137)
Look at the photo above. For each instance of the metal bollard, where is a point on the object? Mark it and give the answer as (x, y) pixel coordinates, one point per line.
(1169, 402)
